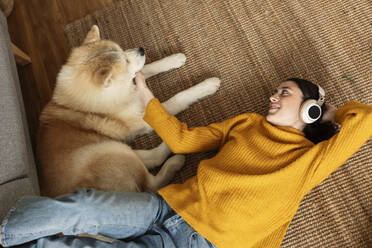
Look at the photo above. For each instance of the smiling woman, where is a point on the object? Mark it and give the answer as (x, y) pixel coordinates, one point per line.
(286, 106)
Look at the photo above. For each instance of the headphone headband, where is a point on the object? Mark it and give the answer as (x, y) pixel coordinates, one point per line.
(321, 96)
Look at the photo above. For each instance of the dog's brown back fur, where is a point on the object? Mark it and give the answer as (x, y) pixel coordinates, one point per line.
(73, 151)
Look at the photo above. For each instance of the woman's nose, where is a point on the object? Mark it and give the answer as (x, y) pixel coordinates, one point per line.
(273, 98)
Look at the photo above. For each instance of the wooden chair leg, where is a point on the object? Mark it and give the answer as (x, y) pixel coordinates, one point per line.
(20, 57)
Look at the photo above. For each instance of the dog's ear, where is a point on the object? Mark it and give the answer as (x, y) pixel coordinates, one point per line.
(103, 76)
(93, 35)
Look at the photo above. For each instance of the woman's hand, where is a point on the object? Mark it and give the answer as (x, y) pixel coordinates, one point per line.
(329, 115)
(143, 91)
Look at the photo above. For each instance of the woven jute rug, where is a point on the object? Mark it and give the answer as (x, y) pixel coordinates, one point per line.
(253, 46)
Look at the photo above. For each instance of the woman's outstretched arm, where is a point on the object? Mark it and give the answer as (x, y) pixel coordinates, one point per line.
(176, 134)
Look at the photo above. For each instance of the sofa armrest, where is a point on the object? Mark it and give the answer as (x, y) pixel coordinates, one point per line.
(16, 157)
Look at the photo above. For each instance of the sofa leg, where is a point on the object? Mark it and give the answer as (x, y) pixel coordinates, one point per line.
(20, 57)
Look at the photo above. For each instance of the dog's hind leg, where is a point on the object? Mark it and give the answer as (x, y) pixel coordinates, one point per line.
(154, 157)
(166, 173)
(165, 64)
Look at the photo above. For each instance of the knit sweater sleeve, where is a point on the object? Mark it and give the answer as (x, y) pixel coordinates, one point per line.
(178, 136)
(356, 128)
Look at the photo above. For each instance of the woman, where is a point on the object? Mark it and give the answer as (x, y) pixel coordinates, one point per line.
(245, 196)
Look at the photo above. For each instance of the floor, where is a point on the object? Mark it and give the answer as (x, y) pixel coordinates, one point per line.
(36, 26)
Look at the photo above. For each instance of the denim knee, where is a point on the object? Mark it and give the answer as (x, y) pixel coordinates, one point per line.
(77, 196)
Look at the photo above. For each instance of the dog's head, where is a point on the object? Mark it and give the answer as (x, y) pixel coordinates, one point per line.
(98, 76)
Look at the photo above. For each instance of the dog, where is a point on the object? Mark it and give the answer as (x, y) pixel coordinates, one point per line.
(95, 111)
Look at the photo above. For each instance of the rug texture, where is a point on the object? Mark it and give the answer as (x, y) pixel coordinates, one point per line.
(253, 46)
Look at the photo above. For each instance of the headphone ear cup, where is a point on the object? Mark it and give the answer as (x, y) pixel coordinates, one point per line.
(310, 111)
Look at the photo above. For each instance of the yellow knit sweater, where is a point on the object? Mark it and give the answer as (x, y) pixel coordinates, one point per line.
(247, 195)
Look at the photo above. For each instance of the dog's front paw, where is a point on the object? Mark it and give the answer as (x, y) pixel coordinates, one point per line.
(177, 60)
(208, 86)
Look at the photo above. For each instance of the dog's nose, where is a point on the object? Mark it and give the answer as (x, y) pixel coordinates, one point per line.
(141, 51)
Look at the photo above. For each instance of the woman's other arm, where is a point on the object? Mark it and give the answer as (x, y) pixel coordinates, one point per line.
(356, 128)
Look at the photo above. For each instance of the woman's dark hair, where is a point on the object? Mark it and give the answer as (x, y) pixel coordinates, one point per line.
(317, 131)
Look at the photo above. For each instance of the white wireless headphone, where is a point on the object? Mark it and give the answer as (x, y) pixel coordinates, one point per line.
(311, 110)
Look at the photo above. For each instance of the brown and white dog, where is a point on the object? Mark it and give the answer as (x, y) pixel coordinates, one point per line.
(95, 110)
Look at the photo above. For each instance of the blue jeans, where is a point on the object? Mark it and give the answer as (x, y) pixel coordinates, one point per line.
(135, 219)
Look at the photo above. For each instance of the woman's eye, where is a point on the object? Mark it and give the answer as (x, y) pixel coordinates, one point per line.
(284, 91)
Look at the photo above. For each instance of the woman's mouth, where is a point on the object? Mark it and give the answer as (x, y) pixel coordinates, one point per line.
(274, 106)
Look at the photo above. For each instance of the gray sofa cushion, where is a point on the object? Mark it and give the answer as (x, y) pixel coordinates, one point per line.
(11, 192)
(12, 138)
(16, 157)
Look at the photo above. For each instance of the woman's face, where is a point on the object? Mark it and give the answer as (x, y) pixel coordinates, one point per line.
(285, 106)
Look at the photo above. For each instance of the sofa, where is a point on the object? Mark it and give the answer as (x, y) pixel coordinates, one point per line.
(18, 174)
